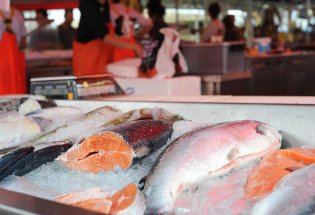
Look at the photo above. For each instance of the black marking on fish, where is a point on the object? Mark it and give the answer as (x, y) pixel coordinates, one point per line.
(259, 130)
(292, 169)
(195, 189)
(141, 183)
(88, 155)
(9, 159)
(35, 159)
(153, 211)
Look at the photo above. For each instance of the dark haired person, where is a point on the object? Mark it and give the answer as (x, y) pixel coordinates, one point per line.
(156, 12)
(66, 31)
(232, 33)
(93, 49)
(215, 30)
(45, 37)
(12, 61)
(124, 19)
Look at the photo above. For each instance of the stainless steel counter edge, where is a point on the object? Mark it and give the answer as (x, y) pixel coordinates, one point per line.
(13, 203)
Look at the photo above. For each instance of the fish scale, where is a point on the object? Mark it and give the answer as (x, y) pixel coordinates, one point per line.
(151, 134)
(9, 159)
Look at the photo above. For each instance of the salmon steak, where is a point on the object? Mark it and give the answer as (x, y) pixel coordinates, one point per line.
(275, 166)
(118, 146)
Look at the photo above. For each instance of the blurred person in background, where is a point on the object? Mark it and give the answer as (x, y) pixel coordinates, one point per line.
(215, 30)
(12, 60)
(66, 32)
(93, 49)
(269, 27)
(45, 36)
(156, 13)
(135, 4)
(232, 33)
(124, 19)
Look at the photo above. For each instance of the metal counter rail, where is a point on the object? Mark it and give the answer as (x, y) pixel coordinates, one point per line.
(13, 203)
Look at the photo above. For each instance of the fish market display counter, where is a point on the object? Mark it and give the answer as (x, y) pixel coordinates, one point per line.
(293, 117)
(287, 74)
(221, 67)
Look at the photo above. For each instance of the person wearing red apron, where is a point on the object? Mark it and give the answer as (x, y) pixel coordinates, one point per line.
(123, 19)
(93, 48)
(12, 61)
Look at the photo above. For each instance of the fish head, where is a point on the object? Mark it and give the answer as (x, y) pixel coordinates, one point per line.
(262, 138)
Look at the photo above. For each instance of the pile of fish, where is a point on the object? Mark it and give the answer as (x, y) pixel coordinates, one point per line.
(154, 162)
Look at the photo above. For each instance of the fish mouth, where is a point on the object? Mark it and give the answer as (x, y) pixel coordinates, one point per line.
(103, 151)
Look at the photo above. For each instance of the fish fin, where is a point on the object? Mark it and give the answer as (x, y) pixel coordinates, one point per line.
(232, 154)
(292, 169)
(141, 183)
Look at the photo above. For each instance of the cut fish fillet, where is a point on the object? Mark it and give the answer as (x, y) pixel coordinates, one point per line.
(275, 166)
(125, 201)
(93, 199)
(123, 198)
(97, 205)
(100, 152)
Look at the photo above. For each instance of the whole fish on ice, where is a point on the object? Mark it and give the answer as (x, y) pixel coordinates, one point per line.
(9, 159)
(294, 194)
(51, 118)
(16, 129)
(30, 161)
(78, 129)
(194, 156)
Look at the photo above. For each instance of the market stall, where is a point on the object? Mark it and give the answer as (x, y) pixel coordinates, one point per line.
(291, 116)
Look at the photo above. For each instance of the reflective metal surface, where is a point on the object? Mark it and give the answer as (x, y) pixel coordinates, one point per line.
(16, 203)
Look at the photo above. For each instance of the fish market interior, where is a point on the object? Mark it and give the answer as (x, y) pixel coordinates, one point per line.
(157, 107)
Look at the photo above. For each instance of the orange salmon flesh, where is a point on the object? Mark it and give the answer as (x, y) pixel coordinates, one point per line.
(100, 152)
(275, 166)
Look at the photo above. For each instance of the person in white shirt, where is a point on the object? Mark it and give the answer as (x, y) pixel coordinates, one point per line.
(215, 30)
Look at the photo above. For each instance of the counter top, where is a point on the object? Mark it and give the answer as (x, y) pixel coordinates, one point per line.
(287, 100)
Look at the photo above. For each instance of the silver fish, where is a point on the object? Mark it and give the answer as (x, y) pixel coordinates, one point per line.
(194, 156)
(294, 194)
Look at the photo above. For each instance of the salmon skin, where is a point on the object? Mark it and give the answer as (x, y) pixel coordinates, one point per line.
(274, 166)
(196, 155)
(118, 146)
(9, 159)
(34, 160)
(145, 136)
(294, 194)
